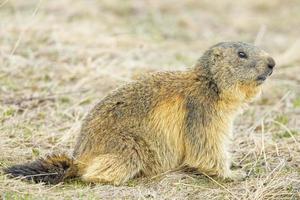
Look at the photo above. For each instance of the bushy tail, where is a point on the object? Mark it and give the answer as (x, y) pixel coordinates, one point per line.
(50, 170)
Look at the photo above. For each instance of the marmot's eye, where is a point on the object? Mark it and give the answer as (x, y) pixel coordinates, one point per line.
(242, 54)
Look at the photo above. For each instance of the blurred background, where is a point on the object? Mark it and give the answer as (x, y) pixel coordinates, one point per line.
(59, 57)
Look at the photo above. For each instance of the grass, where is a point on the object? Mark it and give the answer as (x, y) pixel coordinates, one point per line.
(58, 58)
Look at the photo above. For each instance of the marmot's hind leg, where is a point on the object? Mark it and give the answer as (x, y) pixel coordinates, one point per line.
(112, 169)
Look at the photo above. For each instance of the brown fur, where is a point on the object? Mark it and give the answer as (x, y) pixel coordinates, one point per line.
(169, 120)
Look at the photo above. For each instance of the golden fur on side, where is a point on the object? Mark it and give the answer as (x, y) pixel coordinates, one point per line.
(169, 120)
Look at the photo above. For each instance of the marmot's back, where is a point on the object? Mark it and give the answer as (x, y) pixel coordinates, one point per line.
(127, 108)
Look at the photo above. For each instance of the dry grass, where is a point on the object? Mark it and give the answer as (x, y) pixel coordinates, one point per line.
(58, 58)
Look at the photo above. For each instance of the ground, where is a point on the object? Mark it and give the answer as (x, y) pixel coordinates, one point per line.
(58, 58)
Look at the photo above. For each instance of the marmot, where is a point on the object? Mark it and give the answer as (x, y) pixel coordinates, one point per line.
(162, 122)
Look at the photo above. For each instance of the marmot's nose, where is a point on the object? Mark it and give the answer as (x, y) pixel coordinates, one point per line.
(271, 62)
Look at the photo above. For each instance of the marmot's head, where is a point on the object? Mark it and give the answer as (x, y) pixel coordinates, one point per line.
(237, 67)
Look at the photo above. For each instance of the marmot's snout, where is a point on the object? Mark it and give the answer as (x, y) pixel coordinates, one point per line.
(270, 64)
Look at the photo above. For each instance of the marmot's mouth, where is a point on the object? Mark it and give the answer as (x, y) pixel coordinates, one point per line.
(261, 79)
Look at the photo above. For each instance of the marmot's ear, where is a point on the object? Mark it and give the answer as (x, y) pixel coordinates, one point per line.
(217, 52)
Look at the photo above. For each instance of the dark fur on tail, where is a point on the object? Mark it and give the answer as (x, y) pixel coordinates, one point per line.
(50, 170)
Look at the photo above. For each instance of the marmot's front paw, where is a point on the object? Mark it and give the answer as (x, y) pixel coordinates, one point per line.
(236, 175)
